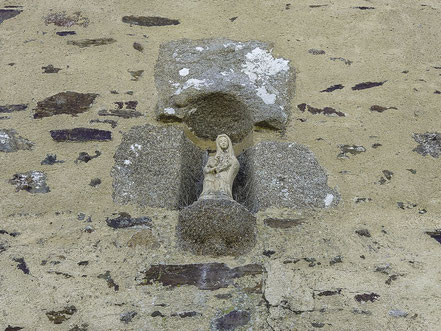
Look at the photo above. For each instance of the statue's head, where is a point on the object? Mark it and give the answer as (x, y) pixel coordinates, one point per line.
(223, 143)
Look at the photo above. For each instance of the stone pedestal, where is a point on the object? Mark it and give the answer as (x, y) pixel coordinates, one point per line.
(216, 227)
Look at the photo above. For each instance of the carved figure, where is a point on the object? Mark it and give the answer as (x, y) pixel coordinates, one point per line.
(220, 171)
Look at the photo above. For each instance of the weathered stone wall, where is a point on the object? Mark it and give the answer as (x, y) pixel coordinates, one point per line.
(76, 78)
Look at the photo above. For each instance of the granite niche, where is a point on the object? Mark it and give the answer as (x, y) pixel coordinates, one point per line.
(220, 90)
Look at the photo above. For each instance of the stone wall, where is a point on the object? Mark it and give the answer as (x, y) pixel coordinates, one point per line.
(76, 80)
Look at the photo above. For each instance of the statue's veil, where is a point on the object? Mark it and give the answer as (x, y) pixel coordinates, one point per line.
(229, 150)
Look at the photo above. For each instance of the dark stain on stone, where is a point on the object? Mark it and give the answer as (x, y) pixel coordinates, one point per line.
(278, 223)
(185, 314)
(4, 117)
(50, 69)
(407, 205)
(124, 220)
(350, 149)
(329, 293)
(3, 247)
(65, 275)
(62, 19)
(110, 281)
(317, 6)
(80, 135)
(363, 233)
(58, 317)
(365, 297)
(437, 92)
(363, 8)
(336, 259)
(326, 110)
(31, 181)
(318, 325)
(91, 42)
(380, 109)
(13, 328)
(268, 252)
(287, 6)
(205, 276)
(435, 235)
(312, 261)
(314, 51)
(68, 102)
(359, 200)
(85, 157)
(361, 312)
(22, 265)
(131, 104)
(347, 62)
(95, 182)
(127, 104)
(11, 142)
(232, 19)
(333, 88)
(12, 234)
(83, 263)
(388, 174)
(429, 143)
(6, 14)
(376, 145)
(138, 47)
(136, 74)
(223, 296)
(412, 171)
(128, 316)
(50, 160)
(366, 85)
(391, 279)
(120, 113)
(149, 20)
(11, 108)
(65, 33)
(232, 320)
(112, 123)
(83, 327)
(157, 313)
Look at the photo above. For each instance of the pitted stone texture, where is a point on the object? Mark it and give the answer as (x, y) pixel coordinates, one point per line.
(283, 175)
(429, 143)
(157, 167)
(222, 86)
(10, 141)
(216, 227)
(31, 181)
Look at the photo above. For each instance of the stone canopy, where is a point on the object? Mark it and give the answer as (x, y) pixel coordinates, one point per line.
(222, 86)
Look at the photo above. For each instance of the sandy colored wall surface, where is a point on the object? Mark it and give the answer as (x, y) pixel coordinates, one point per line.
(366, 264)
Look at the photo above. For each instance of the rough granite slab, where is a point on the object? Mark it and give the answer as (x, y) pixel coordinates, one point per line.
(157, 167)
(283, 175)
(223, 86)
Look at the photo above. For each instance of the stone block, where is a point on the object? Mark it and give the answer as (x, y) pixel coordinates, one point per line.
(10, 141)
(216, 227)
(222, 86)
(282, 175)
(157, 167)
(31, 181)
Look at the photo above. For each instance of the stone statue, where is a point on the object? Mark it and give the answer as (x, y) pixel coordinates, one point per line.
(215, 224)
(220, 171)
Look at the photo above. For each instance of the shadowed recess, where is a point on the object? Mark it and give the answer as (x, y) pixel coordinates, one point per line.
(212, 114)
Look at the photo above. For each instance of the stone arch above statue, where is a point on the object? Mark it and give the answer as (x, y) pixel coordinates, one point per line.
(227, 86)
